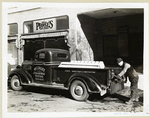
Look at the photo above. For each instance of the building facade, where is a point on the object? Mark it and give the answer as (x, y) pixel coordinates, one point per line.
(89, 34)
(33, 29)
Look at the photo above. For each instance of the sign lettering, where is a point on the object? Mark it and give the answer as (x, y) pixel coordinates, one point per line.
(44, 25)
(39, 73)
(78, 71)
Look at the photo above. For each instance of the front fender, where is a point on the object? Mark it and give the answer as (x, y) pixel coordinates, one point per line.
(24, 76)
(91, 84)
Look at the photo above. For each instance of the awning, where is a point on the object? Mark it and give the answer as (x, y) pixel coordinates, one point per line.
(112, 12)
(44, 35)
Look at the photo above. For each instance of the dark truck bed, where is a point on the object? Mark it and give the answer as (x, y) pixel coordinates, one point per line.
(98, 72)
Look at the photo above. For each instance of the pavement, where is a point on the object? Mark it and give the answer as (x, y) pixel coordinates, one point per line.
(34, 99)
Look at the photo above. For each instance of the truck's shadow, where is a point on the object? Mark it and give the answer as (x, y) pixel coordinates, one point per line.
(59, 93)
(48, 91)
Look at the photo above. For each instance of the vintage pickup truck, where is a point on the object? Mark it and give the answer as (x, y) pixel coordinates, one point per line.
(52, 68)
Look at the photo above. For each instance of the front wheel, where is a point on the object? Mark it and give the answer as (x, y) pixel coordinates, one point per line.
(15, 83)
(78, 90)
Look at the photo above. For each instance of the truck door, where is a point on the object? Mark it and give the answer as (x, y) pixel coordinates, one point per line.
(41, 72)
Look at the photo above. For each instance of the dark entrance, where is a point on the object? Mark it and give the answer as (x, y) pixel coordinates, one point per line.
(114, 33)
(32, 45)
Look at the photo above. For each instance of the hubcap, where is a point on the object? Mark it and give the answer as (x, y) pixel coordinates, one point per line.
(16, 82)
(79, 90)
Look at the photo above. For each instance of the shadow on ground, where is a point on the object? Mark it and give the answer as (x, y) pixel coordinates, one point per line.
(59, 93)
(93, 97)
(48, 91)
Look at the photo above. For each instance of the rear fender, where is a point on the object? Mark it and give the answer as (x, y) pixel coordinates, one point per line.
(24, 76)
(91, 84)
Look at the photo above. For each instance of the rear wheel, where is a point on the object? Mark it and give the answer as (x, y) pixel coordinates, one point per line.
(78, 90)
(15, 83)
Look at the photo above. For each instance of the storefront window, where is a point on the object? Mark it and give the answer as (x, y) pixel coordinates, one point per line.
(12, 49)
(62, 22)
(12, 55)
(28, 27)
(12, 29)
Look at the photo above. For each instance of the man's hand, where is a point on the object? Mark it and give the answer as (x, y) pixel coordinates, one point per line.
(118, 77)
(124, 79)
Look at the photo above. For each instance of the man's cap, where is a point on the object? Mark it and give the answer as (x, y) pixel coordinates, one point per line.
(119, 60)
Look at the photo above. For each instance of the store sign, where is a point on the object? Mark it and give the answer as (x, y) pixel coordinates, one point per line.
(44, 25)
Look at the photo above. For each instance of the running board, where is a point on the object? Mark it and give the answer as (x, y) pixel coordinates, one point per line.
(57, 86)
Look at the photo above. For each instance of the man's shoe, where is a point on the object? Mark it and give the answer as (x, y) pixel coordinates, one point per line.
(129, 102)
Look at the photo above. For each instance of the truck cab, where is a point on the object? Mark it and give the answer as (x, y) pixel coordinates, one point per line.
(45, 61)
(52, 68)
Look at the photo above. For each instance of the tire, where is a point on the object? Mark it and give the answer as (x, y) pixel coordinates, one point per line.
(15, 83)
(79, 91)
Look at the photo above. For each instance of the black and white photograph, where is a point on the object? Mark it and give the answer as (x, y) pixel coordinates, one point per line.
(75, 59)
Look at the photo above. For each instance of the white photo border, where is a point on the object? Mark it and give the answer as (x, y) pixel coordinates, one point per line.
(145, 112)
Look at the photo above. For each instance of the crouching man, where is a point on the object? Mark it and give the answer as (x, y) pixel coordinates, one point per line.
(129, 71)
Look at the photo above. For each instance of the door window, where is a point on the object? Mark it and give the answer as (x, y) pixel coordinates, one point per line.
(40, 56)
